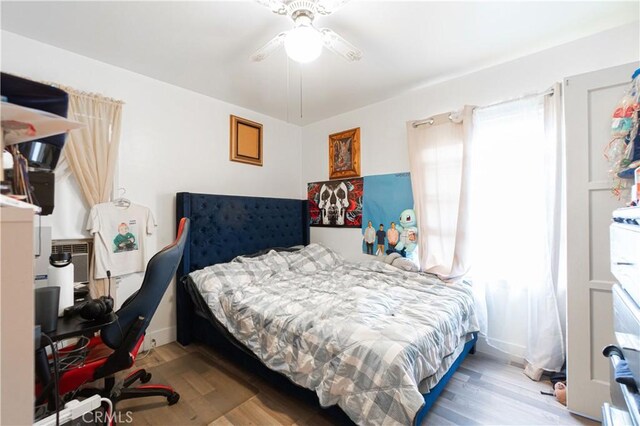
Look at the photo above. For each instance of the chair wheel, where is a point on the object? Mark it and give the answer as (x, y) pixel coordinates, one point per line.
(146, 378)
(174, 398)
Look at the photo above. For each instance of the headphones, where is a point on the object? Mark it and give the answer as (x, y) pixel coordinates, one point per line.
(93, 309)
(97, 308)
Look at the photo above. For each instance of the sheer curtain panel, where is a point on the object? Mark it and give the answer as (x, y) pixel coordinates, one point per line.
(516, 224)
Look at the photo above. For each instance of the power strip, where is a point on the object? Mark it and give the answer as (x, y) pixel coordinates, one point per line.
(72, 410)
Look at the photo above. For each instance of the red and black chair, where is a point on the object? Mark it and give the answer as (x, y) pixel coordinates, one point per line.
(116, 347)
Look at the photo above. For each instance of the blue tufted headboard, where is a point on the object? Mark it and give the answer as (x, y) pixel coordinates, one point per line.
(225, 226)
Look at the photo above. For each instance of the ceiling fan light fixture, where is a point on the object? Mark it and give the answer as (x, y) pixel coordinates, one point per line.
(303, 44)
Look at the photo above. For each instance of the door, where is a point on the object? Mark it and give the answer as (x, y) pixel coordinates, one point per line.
(589, 101)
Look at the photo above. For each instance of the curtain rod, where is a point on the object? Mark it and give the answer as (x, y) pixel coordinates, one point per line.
(430, 120)
(81, 93)
(69, 89)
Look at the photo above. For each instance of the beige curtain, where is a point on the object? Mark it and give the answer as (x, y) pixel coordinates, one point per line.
(62, 170)
(439, 152)
(92, 153)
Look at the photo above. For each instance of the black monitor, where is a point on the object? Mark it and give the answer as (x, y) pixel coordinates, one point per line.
(42, 154)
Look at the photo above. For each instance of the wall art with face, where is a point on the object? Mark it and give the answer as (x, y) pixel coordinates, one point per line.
(336, 203)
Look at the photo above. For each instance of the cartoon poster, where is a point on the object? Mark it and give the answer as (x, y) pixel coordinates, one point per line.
(125, 238)
(336, 203)
(387, 197)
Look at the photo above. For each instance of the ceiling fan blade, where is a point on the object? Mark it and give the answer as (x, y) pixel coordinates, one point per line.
(326, 7)
(339, 45)
(276, 6)
(270, 47)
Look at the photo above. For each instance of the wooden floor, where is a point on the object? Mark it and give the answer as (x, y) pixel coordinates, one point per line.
(215, 391)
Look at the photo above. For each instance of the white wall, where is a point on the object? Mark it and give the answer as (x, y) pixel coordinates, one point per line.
(172, 140)
(177, 140)
(382, 125)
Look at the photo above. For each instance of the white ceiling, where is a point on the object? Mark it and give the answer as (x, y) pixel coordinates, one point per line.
(205, 46)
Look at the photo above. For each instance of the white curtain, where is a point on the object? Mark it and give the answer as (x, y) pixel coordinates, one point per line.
(516, 224)
(92, 152)
(439, 162)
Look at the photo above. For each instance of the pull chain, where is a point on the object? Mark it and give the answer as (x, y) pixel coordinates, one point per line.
(300, 90)
(287, 100)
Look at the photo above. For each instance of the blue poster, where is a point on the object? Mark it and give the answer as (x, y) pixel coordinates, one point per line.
(385, 198)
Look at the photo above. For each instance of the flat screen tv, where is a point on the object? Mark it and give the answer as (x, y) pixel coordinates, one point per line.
(42, 154)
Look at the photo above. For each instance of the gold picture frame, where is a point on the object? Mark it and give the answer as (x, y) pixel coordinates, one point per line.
(245, 141)
(344, 154)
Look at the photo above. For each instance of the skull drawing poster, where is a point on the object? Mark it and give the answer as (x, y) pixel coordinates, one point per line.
(336, 203)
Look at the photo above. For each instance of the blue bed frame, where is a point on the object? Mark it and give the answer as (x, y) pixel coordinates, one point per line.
(226, 226)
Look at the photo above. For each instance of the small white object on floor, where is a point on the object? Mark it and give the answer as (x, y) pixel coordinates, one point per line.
(532, 372)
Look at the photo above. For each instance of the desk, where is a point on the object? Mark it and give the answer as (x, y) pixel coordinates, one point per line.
(77, 326)
(67, 328)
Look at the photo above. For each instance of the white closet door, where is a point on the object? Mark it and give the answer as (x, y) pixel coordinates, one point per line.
(589, 103)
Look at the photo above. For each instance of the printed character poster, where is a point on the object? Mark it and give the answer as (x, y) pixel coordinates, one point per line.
(126, 237)
(387, 196)
(336, 203)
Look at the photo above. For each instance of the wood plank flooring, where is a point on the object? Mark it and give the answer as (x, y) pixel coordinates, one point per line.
(217, 392)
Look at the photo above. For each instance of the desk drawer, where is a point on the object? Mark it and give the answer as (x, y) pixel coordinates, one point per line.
(625, 257)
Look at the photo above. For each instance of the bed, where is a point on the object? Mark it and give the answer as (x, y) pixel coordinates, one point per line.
(328, 336)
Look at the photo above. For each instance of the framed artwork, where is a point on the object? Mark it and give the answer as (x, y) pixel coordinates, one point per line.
(245, 142)
(344, 154)
(336, 203)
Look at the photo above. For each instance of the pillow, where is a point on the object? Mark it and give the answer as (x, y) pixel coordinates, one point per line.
(405, 264)
(391, 257)
(278, 249)
(315, 257)
(271, 261)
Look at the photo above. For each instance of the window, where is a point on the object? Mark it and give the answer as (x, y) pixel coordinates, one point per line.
(514, 243)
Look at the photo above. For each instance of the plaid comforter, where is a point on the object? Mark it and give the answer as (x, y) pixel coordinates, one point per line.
(366, 336)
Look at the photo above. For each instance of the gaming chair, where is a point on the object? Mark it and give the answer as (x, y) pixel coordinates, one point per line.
(116, 347)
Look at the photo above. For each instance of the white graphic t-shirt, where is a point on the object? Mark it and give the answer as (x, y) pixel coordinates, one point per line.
(119, 237)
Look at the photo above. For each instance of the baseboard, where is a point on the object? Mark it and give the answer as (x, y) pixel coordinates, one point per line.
(483, 347)
(162, 337)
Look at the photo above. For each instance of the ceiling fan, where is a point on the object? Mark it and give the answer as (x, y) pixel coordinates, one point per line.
(304, 42)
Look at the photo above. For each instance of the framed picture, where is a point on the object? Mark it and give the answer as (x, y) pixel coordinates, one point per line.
(336, 203)
(245, 144)
(344, 154)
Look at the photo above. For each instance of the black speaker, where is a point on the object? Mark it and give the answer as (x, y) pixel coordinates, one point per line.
(47, 300)
(43, 184)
